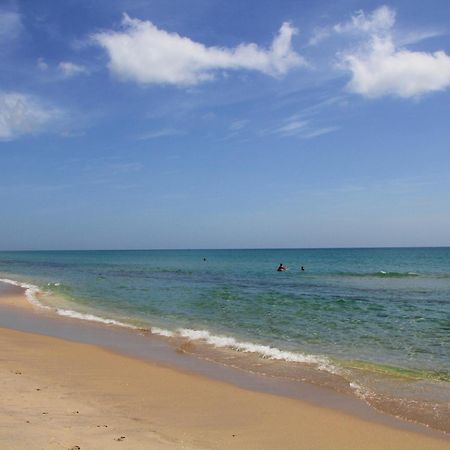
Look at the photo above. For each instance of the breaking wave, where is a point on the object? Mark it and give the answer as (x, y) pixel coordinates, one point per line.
(264, 351)
(31, 291)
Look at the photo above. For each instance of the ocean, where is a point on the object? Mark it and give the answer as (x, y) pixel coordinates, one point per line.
(371, 322)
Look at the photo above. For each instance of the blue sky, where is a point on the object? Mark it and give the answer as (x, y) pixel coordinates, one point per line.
(224, 124)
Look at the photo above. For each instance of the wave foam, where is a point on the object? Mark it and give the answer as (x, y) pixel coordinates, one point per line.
(162, 332)
(385, 274)
(264, 351)
(31, 291)
(92, 318)
(380, 274)
(218, 341)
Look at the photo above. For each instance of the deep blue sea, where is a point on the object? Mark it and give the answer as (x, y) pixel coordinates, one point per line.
(377, 318)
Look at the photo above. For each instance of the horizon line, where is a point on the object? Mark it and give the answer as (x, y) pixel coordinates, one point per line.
(225, 248)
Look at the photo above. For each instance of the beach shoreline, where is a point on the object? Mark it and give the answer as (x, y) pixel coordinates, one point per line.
(222, 409)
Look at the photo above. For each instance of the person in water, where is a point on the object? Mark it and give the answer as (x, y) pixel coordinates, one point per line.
(302, 269)
(281, 268)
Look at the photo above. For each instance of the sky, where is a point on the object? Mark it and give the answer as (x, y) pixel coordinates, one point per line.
(134, 124)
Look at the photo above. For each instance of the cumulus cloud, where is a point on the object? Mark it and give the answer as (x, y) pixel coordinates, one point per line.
(143, 53)
(387, 70)
(380, 67)
(22, 114)
(69, 69)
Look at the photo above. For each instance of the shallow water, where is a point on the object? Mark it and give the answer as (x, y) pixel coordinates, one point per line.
(372, 321)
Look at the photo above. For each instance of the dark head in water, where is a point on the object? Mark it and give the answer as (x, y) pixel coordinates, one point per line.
(281, 268)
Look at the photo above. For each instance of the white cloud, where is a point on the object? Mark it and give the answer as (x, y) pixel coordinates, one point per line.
(380, 67)
(412, 37)
(143, 53)
(385, 70)
(165, 132)
(320, 132)
(10, 25)
(306, 129)
(238, 124)
(69, 69)
(21, 114)
(381, 19)
(41, 64)
(318, 35)
(293, 127)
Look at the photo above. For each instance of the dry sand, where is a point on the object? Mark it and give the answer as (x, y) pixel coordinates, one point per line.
(57, 394)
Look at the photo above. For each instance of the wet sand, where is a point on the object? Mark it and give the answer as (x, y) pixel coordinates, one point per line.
(58, 394)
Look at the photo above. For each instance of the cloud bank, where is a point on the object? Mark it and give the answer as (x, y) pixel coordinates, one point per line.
(380, 67)
(21, 114)
(143, 53)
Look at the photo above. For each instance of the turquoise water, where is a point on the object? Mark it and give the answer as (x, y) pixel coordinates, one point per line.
(385, 311)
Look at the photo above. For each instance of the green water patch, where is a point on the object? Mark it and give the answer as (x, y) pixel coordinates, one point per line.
(397, 372)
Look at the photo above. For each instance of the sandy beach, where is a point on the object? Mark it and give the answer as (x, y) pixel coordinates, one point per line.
(58, 394)
(225, 225)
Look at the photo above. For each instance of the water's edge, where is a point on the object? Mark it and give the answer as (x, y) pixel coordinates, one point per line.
(155, 347)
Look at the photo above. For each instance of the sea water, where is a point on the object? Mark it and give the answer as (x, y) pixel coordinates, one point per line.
(373, 321)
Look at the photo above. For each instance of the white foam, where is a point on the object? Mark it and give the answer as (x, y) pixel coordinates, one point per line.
(92, 318)
(362, 392)
(162, 332)
(265, 351)
(218, 341)
(31, 291)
